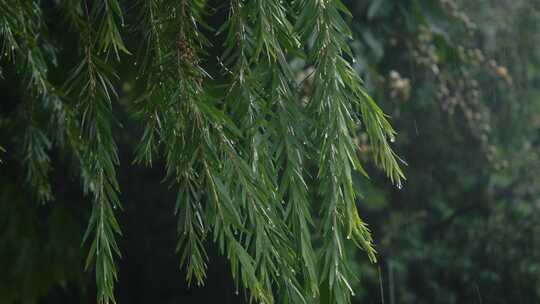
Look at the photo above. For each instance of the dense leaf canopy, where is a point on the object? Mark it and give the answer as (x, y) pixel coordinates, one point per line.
(239, 141)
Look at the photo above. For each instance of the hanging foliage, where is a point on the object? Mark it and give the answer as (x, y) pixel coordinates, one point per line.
(240, 142)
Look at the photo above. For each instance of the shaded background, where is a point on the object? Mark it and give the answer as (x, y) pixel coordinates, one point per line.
(460, 80)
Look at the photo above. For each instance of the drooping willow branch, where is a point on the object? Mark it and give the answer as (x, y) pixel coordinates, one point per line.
(240, 145)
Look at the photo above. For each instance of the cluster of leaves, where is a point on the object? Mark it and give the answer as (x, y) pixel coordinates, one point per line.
(239, 144)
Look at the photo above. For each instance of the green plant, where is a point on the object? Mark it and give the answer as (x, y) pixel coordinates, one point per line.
(239, 141)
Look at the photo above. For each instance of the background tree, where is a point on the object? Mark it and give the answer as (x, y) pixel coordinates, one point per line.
(459, 80)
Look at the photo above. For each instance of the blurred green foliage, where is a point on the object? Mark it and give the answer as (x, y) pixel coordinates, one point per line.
(39, 248)
(460, 80)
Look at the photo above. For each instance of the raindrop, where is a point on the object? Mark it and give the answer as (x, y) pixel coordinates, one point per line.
(236, 292)
(135, 63)
(352, 293)
(399, 186)
(392, 139)
(348, 237)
